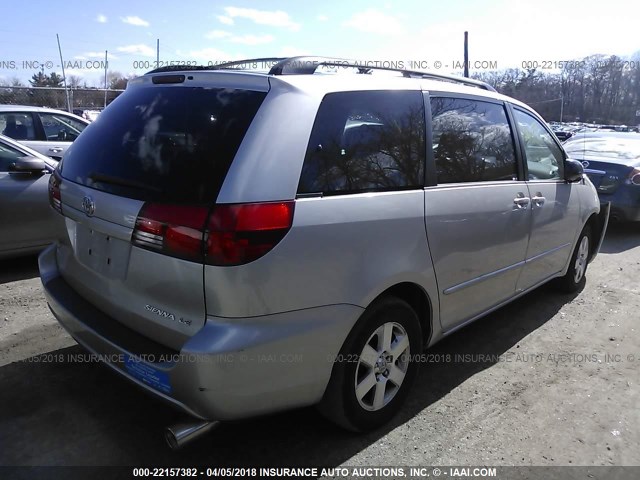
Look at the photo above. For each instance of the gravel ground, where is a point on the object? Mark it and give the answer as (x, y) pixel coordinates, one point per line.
(548, 380)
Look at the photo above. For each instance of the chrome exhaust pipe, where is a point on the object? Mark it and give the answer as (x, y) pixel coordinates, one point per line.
(180, 434)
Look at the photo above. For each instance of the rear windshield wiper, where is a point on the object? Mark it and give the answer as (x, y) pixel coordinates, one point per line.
(104, 178)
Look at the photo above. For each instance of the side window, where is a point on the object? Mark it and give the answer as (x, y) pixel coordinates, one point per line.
(544, 157)
(18, 126)
(61, 127)
(472, 141)
(366, 141)
(8, 155)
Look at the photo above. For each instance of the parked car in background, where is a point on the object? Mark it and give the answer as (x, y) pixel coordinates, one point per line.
(45, 130)
(232, 275)
(563, 135)
(561, 132)
(27, 222)
(89, 114)
(612, 162)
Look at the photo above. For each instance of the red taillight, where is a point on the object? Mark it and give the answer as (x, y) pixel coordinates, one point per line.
(634, 176)
(54, 192)
(233, 234)
(175, 230)
(242, 233)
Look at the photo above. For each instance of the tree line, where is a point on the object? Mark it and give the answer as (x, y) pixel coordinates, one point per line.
(597, 89)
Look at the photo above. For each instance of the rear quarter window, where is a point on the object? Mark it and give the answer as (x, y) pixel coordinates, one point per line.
(163, 144)
(366, 141)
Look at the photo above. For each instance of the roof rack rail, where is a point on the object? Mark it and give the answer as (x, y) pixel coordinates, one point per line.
(236, 63)
(219, 66)
(308, 66)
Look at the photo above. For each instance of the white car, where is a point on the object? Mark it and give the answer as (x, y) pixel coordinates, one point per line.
(46, 130)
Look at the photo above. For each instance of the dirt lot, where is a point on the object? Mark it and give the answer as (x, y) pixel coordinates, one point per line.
(549, 380)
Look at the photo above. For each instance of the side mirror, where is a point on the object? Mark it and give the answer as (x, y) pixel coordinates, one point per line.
(28, 164)
(573, 170)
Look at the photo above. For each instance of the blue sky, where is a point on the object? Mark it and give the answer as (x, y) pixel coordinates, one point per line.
(501, 31)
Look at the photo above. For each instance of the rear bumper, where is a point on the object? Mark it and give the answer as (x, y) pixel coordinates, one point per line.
(625, 213)
(231, 369)
(625, 203)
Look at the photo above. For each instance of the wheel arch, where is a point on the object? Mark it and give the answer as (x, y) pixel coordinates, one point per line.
(593, 221)
(420, 302)
(598, 223)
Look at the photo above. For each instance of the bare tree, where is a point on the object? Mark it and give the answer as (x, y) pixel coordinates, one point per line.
(597, 88)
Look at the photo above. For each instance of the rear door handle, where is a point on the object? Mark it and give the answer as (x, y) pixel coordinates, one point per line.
(538, 200)
(55, 150)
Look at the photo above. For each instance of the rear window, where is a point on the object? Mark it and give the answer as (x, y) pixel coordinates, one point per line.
(618, 148)
(163, 144)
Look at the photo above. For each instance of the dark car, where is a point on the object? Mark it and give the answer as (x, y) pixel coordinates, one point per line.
(563, 134)
(612, 161)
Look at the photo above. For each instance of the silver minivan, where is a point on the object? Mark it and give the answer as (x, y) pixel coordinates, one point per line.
(240, 243)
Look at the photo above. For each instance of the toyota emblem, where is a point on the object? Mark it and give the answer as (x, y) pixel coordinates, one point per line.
(88, 206)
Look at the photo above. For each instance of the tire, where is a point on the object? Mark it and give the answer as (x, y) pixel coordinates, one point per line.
(575, 277)
(367, 359)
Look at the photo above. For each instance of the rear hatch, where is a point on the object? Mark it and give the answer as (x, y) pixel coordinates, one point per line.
(137, 188)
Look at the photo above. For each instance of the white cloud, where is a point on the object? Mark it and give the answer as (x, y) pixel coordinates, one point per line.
(322, 18)
(225, 20)
(101, 18)
(252, 39)
(214, 34)
(208, 56)
(78, 72)
(243, 39)
(489, 28)
(375, 21)
(97, 55)
(138, 49)
(276, 18)
(293, 52)
(133, 20)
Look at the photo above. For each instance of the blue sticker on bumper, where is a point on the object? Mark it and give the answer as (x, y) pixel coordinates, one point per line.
(156, 379)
